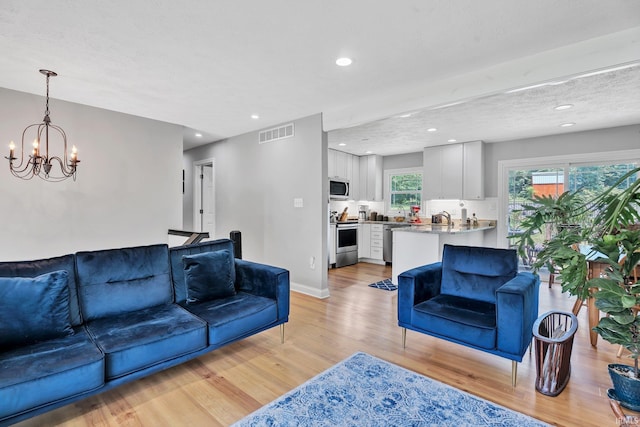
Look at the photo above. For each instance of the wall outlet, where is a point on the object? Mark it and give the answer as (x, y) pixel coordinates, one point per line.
(298, 202)
(312, 263)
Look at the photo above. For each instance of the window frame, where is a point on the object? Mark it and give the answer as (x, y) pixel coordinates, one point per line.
(388, 174)
(561, 161)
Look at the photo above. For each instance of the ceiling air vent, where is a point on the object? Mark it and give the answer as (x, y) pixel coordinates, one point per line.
(282, 132)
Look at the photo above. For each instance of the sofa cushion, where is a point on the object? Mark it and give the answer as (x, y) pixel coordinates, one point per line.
(136, 340)
(177, 266)
(458, 319)
(49, 371)
(117, 281)
(476, 272)
(208, 276)
(42, 266)
(236, 316)
(34, 309)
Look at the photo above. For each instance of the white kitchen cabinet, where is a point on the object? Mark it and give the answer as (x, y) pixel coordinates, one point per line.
(364, 241)
(354, 180)
(371, 178)
(337, 164)
(473, 175)
(376, 241)
(442, 175)
(331, 163)
(345, 166)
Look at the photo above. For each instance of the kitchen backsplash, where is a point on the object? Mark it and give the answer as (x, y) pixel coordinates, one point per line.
(484, 209)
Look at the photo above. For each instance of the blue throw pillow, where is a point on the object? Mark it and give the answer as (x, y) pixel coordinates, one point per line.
(34, 309)
(208, 276)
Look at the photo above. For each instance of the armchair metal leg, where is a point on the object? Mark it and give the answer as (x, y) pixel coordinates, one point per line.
(404, 337)
(514, 372)
(282, 333)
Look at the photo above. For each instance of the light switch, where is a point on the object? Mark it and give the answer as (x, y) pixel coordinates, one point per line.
(297, 202)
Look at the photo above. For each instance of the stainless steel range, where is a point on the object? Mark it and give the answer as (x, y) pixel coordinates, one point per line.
(346, 243)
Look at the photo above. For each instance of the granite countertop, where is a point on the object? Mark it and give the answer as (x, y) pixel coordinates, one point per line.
(407, 223)
(427, 227)
(444, 229)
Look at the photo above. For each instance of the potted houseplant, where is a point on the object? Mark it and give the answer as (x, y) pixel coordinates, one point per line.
(561, 221)
(608, 233)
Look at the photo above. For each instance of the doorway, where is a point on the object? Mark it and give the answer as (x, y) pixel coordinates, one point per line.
(204, 210)
(551, 176)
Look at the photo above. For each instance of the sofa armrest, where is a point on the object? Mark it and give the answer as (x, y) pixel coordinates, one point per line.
(265, 281)
(516, 311)
(415, 286)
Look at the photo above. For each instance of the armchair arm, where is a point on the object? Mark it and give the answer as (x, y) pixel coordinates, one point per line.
(516, 311)
(265, 281)
(415, 286)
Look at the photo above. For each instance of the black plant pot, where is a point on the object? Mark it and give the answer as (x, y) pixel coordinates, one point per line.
(626, 390)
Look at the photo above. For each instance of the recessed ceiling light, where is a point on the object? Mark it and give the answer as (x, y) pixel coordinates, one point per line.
(566, 125)
(344, 62)
(342, 144)
(198, 135)
(432, 130)
(368, 152)
(255, 116)
(452, 140)
(563, 107)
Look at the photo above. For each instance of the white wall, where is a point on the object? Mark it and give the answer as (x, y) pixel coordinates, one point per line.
(128, 188)
(255, 188)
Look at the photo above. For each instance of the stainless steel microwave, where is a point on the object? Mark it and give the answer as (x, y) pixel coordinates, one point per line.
(338, 188)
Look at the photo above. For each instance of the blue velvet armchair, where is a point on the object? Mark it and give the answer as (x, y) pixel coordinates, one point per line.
(474, 297)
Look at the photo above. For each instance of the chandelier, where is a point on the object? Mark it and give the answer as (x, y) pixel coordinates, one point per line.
(39, 162)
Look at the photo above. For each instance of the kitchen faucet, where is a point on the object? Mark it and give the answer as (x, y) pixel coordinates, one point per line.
(448, 216)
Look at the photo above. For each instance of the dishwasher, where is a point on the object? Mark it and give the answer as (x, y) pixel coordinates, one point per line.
(387, 241)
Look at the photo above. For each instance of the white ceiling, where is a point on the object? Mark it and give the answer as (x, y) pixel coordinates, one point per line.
(209, 65)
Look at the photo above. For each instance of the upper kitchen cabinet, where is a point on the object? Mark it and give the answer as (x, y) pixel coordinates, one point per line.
(442, 172)
(337, 164)
(371, 178)
(454, 171)
(473, 173)
(345, 166)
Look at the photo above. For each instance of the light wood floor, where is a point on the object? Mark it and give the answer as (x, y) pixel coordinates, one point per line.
(226, 385)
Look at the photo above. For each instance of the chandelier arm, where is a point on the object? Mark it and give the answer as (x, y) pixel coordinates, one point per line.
(66, 169)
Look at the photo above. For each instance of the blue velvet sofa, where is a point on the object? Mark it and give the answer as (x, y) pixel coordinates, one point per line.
(77, 325)
(474, 297)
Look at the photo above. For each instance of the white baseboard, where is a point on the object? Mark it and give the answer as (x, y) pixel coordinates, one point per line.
(308, 290)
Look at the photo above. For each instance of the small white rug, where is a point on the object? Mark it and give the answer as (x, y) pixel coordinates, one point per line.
(366, 391)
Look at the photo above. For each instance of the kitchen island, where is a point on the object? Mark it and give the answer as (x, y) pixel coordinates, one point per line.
(422, 244)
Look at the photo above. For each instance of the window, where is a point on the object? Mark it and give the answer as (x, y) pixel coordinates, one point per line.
(589, 178)
(404, 188)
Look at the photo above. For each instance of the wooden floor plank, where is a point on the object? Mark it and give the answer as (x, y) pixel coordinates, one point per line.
(228, 384)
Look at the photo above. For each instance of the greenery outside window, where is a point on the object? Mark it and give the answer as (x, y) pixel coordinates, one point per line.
(404, 189)
(587, 179)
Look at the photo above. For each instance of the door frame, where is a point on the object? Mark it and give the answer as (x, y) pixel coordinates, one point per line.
(550, 161)
(197, 165)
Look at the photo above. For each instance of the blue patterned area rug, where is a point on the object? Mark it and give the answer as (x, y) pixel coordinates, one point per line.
(385, 284)
(365, 391)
